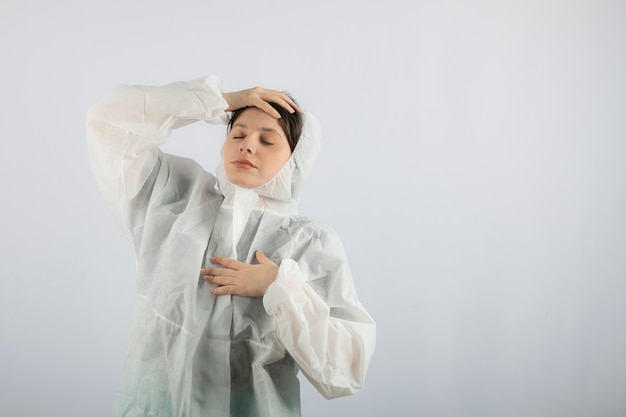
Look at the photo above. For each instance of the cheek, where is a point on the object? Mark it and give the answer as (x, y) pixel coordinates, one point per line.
(279, 160)
(227, 148)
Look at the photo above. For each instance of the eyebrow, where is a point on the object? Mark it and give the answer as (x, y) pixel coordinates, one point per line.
(264, 129)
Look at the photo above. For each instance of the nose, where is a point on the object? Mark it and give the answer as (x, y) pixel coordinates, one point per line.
(247, 145)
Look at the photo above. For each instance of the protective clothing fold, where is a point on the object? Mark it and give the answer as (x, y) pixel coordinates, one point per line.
(191, 353)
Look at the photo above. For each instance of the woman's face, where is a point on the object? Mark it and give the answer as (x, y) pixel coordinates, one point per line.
(256, 148)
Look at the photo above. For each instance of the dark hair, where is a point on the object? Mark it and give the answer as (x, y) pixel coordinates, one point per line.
(291, 123)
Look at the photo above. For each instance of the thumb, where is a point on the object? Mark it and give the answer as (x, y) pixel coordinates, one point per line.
(260, 256)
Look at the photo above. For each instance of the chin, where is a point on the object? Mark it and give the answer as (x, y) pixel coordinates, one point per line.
(241, 182)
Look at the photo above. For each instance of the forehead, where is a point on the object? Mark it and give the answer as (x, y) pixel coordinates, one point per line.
(257, 119)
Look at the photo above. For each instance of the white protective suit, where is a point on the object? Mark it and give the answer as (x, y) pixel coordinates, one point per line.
(192, 353)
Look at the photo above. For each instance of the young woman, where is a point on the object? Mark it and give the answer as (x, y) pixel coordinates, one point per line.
(235, 291)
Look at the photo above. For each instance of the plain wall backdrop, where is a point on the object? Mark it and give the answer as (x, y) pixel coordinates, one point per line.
(473, 161)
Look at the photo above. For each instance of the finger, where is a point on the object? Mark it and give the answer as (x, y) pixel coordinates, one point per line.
(227, 272)
(227, 262)
(265, 97)
(260, 256)
(285, 102)
(219, 280)
(224, 290)
(292, 103)
(266, 107)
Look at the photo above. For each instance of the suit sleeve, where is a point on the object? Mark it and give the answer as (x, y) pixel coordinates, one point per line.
(125, 129)
(319, 319)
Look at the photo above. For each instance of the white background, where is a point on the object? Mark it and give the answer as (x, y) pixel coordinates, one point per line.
(474, 163)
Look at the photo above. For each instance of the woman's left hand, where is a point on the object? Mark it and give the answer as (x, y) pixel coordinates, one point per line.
(238, 278)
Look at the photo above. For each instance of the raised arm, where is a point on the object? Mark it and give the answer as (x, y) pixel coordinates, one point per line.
(126, 127)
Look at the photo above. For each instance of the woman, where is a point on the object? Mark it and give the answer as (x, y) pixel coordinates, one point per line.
(235, 291)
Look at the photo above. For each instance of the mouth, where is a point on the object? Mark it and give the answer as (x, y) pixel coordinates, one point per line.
(242, 163)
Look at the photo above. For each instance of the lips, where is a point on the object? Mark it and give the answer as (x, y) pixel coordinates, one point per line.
(242, 163)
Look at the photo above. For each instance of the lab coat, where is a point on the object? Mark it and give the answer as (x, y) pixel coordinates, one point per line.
(191, 353)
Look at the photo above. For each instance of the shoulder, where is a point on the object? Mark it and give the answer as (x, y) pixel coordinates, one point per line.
(185, 167)
(184, 177)
(314, 241)
(305, 227)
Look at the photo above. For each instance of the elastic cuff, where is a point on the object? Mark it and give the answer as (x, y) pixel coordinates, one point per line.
(284, 287)
(211, 84)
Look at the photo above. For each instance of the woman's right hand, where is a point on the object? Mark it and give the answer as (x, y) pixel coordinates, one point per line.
(260, 97)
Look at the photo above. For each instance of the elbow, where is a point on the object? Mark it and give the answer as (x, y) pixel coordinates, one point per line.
(332, 392)
(349, 379)
(96, 114)
(111, 104)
